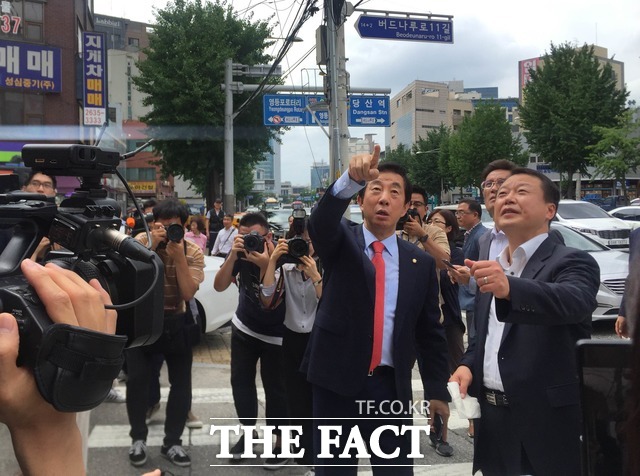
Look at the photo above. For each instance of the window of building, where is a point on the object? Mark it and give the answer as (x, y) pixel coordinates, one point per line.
(133, 41)
(17, 107)
(33, 21)
(442, 111)
(142, 174)
(457, 112)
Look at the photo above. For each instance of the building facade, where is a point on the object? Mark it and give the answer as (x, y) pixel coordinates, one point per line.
(425, 105)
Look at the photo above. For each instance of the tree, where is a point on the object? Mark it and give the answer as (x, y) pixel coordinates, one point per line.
(430, 156)
(618, 150)
(566, 98)
(182, 74)
(400, 155)
(483, 137)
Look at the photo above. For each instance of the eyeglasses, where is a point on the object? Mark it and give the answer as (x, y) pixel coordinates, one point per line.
(438, 222)
(416, 204)
(487, 184)
(459, 213)
(38, 184)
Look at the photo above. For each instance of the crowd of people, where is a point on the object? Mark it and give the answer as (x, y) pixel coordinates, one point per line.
(347, 320)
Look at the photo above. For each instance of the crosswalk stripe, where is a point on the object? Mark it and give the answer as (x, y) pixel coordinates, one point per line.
(104, 436)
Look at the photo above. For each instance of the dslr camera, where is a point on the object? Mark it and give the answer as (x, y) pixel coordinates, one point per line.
(298, 246)
(254, 241)
(175, 233)
(411, 212)
(74, 367)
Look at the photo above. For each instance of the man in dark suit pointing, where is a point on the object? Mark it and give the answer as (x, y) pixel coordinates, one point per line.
(379, 307)
(535, 302)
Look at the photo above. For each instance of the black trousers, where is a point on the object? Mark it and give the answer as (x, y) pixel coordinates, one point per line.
(299, 393)
(172, 344)
(246, 352)
(328, 405)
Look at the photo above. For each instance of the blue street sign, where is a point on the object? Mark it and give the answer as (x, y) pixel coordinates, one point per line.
(322, 115)
(284, 110)
(369, 111)
(291, 110)
(405, 29)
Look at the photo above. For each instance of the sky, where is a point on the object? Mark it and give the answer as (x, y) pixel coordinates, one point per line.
(490, 38)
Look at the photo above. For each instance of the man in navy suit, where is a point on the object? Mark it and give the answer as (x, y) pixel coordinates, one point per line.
(348, 381)
(535, 302)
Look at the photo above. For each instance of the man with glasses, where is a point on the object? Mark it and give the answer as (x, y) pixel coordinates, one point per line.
(490, 244)
(256, 334)
(469, 215)
(428, 237)
(38, 182)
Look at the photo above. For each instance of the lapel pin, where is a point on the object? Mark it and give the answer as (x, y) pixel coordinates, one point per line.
(414, 261)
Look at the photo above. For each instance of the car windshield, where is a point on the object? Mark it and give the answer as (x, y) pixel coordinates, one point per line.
(577, 210)
(577, 240)
(279, 217)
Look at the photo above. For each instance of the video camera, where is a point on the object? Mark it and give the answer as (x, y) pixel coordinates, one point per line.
(298, 246)
(74, 367)
(411, 212)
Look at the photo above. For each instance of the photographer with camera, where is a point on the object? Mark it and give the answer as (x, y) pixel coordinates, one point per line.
(46, 441)
(256, 333)
(293, 280)
(183, 272)
(413, 228)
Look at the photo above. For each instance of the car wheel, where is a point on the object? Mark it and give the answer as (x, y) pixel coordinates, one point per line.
(201, 318)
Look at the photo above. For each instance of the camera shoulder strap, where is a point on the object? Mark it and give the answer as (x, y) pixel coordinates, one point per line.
(276, 299)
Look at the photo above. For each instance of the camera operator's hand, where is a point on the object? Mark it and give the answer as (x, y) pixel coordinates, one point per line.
(41, 434)
(261, 259)
(280, 250)
(310, 268)
(237, 247)
(413, 227)
(175, 250)
(158, 235)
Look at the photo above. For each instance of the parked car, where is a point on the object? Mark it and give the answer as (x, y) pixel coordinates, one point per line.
(215, 309)
(635, 201)
(614, 268)
(630, 214)
(590, 219)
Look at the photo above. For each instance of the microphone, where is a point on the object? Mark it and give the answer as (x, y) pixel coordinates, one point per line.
(121, 243)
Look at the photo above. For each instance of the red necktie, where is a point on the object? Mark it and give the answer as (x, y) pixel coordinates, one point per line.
(378, 310)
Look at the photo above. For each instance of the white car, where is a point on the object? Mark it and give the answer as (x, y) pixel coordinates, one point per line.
(592, 220)
(614, 267)
(629, 214)
(215, 309)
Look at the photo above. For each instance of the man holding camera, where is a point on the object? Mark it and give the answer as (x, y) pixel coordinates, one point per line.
(256, 333)
(428, 237)
(183, 272)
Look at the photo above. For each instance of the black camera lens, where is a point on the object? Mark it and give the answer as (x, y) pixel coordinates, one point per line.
(175, 232)
(254, 241)
(298, 247)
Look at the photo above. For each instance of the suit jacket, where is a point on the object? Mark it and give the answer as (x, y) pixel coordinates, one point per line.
(634, 249)
(340, 344)
(549, 309)
(471, 250)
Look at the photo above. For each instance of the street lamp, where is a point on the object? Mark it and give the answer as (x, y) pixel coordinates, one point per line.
(293, 39)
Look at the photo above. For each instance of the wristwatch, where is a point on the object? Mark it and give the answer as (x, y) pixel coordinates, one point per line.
(423, 239)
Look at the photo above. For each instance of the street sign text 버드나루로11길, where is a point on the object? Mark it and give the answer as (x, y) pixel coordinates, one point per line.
(405, 28)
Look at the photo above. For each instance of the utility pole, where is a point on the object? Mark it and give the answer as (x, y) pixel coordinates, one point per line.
(231, 68)
(229, 192)
(338, 87)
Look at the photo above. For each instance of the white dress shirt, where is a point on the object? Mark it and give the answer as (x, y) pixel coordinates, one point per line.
(519, 260)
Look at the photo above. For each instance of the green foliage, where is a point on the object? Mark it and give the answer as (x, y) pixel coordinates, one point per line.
(618, 150)
(565, 101)
(429, 165)
(182, 74)
(482, 137)
(400, 155)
